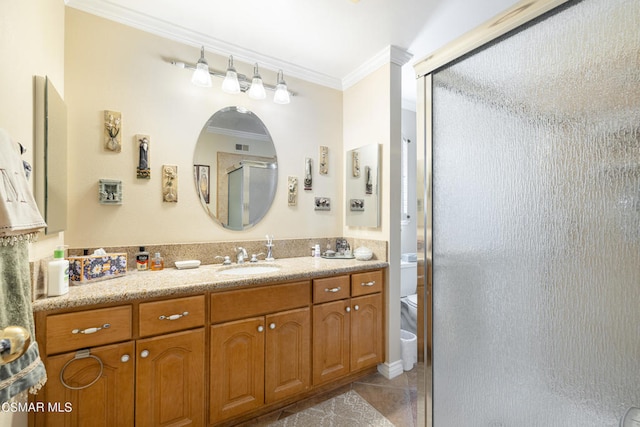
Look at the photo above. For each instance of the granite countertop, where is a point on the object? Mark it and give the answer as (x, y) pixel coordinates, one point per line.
(174, 282)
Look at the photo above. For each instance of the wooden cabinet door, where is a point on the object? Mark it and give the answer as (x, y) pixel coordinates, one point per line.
(287, 354)
(331, 329)
(366, 331)
(237, 368)
(169, 379)
(107, 402)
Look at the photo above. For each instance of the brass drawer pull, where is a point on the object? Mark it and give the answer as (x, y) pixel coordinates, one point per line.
(90, 330)
(371, 283)
(334, 290)
(173, 316)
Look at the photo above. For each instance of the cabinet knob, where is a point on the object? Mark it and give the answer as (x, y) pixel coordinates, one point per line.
(356, 307)
(125, 358)
(144, 353)
(348, 309)
(272, 326)
(371, 283)
(260, 328)
(333, 290)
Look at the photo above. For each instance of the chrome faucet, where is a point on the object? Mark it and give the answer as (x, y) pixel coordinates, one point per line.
(241, 254)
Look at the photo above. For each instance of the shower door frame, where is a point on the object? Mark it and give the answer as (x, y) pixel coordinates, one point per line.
(518, 15)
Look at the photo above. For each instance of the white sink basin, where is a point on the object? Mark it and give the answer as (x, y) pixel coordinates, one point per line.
(250, 270)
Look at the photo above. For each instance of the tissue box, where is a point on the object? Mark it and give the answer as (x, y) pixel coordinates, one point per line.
(89, 268)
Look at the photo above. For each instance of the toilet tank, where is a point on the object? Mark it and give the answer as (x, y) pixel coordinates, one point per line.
(408, 278)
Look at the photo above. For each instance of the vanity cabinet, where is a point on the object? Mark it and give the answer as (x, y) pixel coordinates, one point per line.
(215, 358)
(107, 402)
(347, 325)
(261, 359)
(143, 381)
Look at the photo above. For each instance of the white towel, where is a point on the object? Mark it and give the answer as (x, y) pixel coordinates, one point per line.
(19, 214)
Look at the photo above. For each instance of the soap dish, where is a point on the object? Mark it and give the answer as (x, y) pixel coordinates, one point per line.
(192, 263)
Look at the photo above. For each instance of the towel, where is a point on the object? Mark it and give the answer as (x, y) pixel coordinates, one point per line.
(20, 221)
(19, 214)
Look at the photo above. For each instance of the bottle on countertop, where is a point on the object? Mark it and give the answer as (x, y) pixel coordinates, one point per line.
(142, 260)
(157, 263)
(58, 274)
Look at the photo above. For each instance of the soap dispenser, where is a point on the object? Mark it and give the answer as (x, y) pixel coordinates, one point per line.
(58, 274)
(157, 263)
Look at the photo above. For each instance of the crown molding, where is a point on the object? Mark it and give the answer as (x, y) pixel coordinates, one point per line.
(168, 30)
(390, 54)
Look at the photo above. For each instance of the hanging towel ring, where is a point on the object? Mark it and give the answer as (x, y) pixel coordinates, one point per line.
(81, 354)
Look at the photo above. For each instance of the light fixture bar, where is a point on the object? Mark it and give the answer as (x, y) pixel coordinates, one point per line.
(245, 82)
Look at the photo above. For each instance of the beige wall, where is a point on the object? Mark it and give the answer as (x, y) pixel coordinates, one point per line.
(109, 66)
(370, 119)
(32, 43)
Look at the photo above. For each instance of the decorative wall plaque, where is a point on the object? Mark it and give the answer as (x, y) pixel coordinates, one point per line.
(142, 144)
(292, 191)
(110, 192)
(323, 167)
(112, 135)
(308, 180)
(322, 204)
(170, 183)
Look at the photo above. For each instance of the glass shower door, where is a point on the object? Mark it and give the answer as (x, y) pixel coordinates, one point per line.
(536, 224)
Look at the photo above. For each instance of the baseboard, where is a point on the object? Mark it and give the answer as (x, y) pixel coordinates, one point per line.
(391, 370)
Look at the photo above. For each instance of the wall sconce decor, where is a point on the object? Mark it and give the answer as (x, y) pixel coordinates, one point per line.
(322, 204)
(110, 192)
(308, 180)
(143, 171)
(323, 168)
(170, 183)
(357, 205)
(235, 82)
(112, 125)
(292, 191)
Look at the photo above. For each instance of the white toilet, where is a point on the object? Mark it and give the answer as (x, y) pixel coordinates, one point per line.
(408, 296)
(408, 311)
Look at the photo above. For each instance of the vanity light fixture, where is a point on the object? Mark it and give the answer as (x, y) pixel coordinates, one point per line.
(235, 83)
(256, 91)
(282, 94)
(230, 83)
(201, 76)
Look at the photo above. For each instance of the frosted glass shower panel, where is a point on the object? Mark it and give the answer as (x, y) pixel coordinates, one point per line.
(536, 224)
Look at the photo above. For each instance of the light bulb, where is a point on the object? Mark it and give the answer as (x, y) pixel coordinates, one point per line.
(230, 83)
(201, 76)
(282, 93)
(256, 91)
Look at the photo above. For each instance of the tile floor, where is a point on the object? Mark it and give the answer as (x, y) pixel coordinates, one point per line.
(396, 399)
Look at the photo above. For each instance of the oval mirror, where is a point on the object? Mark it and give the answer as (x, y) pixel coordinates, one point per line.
(235, 168)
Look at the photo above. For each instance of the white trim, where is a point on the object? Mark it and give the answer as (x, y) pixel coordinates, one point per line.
(390, 54)
(391, 370)
(180, 34)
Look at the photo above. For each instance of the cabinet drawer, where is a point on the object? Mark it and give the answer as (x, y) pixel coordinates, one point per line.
(232, 305)
(176, 314)
(330, 289)
(366, 283)
(89, 328)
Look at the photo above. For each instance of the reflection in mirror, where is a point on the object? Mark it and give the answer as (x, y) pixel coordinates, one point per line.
(235, 168)
(50, 155)
(362, 198)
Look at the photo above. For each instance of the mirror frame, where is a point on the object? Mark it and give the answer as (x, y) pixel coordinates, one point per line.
(50, 154)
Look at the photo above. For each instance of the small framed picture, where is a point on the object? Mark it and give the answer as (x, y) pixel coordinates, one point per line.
(110, 192)
(203, 181)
